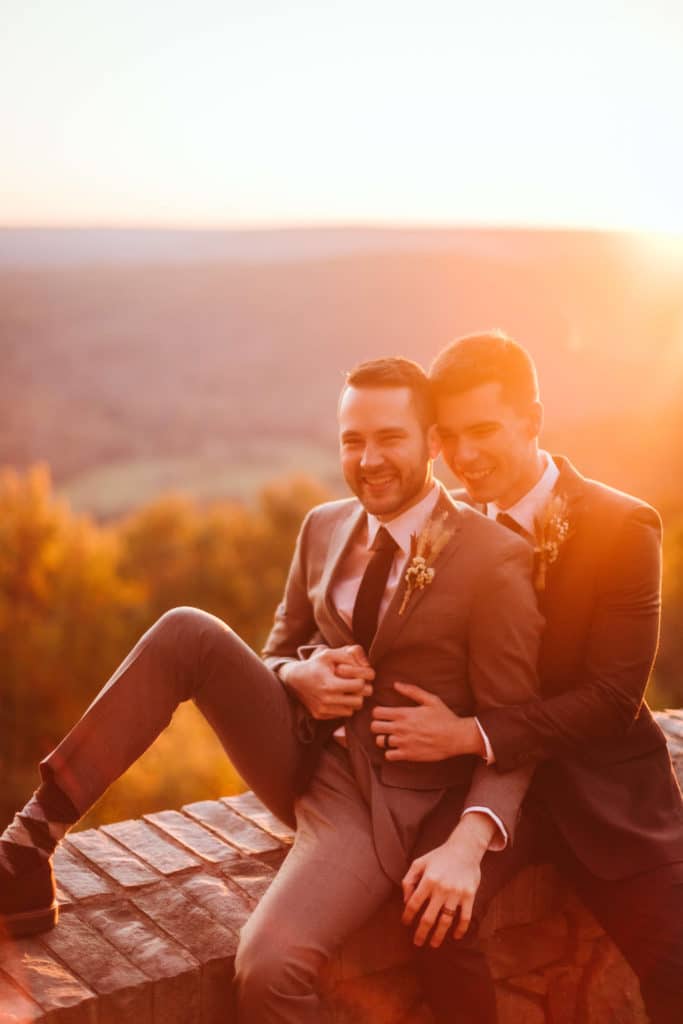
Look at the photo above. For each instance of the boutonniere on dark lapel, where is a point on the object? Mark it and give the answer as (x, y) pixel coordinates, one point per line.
(551, 529)
(424, 549)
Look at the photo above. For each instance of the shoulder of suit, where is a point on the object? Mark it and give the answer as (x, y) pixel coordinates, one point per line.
(333, 511)
(612, 502)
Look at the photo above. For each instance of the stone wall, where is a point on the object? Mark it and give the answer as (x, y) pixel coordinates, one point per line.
(151, 911)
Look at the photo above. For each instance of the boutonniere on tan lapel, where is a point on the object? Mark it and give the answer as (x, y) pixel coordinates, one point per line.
(424, 550)
(551, 529)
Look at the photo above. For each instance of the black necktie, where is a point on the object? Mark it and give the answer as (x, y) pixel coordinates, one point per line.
(505, 520)
(371, 589)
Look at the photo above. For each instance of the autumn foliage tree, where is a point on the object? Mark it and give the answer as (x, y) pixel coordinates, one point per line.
(75, 596)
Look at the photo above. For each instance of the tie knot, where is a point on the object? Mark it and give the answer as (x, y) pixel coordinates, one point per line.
(384, 541)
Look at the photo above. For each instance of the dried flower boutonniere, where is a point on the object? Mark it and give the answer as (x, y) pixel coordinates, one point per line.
(424, 549)
(551, 529)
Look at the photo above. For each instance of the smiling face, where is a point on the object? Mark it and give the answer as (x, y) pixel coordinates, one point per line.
(489, 443)
(386, 453)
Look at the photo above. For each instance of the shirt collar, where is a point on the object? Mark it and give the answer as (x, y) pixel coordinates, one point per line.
(528, 507)
(410, 522)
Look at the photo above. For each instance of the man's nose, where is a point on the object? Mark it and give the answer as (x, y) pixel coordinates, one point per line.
(371, 457)
(462, 452)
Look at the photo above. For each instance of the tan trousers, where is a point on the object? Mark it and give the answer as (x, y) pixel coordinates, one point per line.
(187, 654)
(330, 883)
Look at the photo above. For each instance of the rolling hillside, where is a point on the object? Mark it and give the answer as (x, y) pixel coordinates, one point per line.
(135, 362)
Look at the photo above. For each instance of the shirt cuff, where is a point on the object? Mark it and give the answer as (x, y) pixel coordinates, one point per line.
(489, 757)
(500, 839)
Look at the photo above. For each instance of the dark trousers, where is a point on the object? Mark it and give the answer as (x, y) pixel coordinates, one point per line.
(642, 914)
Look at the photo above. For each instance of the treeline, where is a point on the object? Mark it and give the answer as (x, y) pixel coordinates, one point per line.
(75, 596)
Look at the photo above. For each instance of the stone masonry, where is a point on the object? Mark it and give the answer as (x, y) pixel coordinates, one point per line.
(151, 911)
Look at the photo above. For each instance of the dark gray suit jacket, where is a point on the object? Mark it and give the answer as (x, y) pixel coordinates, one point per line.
(607, 781)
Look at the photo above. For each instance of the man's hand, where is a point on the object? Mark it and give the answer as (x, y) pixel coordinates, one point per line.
(332, 683)
(428, 732)
(447, 879)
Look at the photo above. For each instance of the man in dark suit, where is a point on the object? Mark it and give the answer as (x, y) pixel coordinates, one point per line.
(604, 803)
(451, 617)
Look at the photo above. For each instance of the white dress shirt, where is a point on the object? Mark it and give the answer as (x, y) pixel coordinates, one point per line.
(402, 528)
(528, 507)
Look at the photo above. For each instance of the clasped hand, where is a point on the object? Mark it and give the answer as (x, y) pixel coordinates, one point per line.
(426, 731)
(333, 682)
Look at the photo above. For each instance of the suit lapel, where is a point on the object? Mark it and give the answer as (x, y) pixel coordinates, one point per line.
(392, 622)
(570, 485)
(340, 540)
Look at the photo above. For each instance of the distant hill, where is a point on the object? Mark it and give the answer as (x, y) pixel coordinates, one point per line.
(135, 361)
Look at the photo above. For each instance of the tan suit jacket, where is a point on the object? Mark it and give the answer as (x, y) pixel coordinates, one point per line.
(471, 637)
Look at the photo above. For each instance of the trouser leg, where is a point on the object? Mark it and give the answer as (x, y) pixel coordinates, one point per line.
(644, 916)
(455, 977)
(186, 654)
(330, 883)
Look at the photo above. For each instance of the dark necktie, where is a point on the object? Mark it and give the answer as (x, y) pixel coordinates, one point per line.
(371, 589)
(505, 520)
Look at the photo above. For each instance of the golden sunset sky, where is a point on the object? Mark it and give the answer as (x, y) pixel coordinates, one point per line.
(270, 112)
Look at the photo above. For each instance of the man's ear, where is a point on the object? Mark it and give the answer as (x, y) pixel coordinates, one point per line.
(433, 441)
(535, 419)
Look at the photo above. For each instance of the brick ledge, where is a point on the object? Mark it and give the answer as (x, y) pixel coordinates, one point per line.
(151, 911)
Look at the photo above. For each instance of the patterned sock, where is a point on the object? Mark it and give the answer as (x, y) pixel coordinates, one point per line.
(33, 834)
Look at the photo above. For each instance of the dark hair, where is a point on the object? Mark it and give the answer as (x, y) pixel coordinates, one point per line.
(396, 372)
(479, 358)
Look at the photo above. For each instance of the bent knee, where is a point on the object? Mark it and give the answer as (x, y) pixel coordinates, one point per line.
(265, 967)
(185, 622)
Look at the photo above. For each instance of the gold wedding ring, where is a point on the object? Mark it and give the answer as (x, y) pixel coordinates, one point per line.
(447, 912)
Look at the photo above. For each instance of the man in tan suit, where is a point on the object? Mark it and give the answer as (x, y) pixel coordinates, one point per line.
(399, 582)
(463, 624)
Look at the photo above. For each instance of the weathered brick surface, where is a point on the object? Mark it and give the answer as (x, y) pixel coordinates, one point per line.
(252, 877)
(154, 907)
(122, 989)
(213, 945)
(246, 837)
(15, 1006)
(74, 876)
(114, 860)
(192, 836)
(173, 971)
(49, 983)
(249, 806)
(144, 841)
(227, 904)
